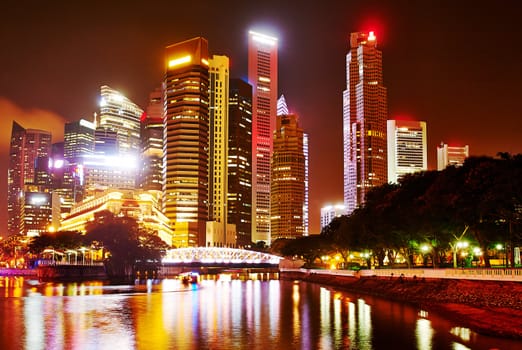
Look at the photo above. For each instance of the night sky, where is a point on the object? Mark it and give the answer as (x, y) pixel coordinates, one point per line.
(455, 64)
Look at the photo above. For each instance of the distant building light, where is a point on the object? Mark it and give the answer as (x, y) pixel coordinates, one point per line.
(87, 123)
(262, 38)
(179, 61)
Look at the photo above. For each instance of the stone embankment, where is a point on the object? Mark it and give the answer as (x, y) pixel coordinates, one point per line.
(487, 307)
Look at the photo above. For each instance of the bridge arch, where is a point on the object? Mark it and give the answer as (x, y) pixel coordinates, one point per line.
(215, 255)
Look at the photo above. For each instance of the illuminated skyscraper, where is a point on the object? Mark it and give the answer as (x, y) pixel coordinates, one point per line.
(240, 160)
(26, 146)
(78, 140)
(262, 75)
(306, 227)
(218, 143)
(151, 159)
(119, 114)
(451, 155)
(78, 143)
(288, 179)
(364, 120)
(218, 231)
(186, 140)
(407, 148)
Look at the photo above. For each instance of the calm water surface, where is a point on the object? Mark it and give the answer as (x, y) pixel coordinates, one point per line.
(264, 315)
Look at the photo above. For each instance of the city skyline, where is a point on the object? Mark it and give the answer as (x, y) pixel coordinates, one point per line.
(437, 64)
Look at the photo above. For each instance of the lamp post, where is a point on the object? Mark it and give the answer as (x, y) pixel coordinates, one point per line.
(425, 249)
(458, 245)
(499, 247)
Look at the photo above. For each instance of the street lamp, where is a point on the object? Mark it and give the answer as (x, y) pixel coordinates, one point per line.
(424, 251)
(500, 247)
(458, 245)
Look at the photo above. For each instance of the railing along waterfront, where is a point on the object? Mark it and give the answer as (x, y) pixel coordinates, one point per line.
(6, 271)
(484, 274)
(45, 262)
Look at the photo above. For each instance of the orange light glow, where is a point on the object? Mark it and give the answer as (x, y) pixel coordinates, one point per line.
(181, 60)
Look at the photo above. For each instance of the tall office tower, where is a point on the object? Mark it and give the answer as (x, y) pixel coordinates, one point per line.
(329, 212)
(79, 143)
(288, 179)
(119, 114)
(78, 140)
(306, 227)
(407, 148)
(218, 138)
(282, 109)
(185, 141)
(240, 160)
(364, 120)
(25, 147)
(451, 155)
(151, 161)
(262, 75)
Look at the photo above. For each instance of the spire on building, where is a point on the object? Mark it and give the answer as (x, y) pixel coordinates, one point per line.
(282, 108)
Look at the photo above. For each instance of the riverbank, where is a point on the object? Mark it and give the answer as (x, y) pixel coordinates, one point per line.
(486, 307)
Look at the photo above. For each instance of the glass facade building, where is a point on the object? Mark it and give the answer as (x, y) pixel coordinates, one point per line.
(186, 140)
(240, 160)
(364, 120)
(407, 148)
(262, 75)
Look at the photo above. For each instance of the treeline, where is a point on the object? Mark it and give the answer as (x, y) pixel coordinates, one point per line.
(480, 202)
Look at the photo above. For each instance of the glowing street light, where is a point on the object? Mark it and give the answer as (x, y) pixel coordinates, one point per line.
(458, 245)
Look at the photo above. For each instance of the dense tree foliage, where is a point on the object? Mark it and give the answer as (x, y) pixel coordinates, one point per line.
(61, 240)
(126, 243)
(481, 199)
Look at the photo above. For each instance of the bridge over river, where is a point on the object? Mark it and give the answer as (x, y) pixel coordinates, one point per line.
(217, 259)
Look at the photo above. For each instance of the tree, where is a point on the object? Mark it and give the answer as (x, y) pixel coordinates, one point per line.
(127, 245)
(308, 248)
(61, 240)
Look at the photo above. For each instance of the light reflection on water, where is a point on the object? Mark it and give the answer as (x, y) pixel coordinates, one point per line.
(217, 315)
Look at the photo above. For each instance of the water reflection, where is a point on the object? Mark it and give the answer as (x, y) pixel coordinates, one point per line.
(217, 315)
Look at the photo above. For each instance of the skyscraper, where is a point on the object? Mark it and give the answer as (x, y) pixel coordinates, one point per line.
(218, 142)
(451, 155)
(262, 75)
(151, 157)
(240, 160)
(119, 114)
(78, 143)
(185, 141)
(218, 231)
(288, 179)
(26, 146)
(78, 140)
(306, 226)
(407, 148)
(364, 120)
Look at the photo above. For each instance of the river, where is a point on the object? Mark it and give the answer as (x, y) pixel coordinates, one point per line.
(218, 314)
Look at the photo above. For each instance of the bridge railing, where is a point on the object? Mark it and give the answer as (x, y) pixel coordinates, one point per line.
(209, 255)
